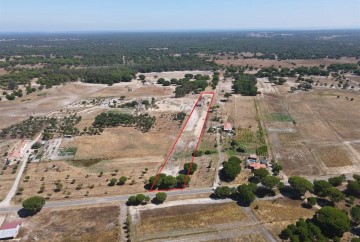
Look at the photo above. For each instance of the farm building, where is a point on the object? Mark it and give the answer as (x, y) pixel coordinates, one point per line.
(15, 154)
(256, 166)
(10, 230)
(227, 127)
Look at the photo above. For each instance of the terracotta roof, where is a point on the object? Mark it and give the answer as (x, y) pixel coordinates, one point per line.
(227, 126)
(257, 166)
(15, 154)
(11, 225)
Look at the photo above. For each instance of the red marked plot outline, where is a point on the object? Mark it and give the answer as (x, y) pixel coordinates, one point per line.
(177, 139)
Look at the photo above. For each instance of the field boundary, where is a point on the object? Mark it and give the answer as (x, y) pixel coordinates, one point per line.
(177, 139)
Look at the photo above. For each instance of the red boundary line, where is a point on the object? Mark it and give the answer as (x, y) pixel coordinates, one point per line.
(177, 139)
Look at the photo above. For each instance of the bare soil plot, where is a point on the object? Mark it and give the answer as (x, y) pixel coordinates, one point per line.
(189, 136)
(125, 142)
(70, 225)
(280, 213)
(241, 111)
(122, 89)
(186, 219)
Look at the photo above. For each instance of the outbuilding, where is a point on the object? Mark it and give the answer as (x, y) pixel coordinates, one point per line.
(227, 127)
(10, 230)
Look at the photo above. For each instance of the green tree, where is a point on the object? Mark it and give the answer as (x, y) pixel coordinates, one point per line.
(169, 182)
(140, 198)
(332, 221)
(246, 194)
(353, 188)
(311, 201)
(260, 174)
(271, 181)
(355, 214)
(122, 180)
(230, 171)
(320, 187)
(160, 197)
(112, 182)
(131, 200)
(300, 185)
(33, 204)
(335, 195)
(276, 168)
(142, 77)
(223, 192)
(190, 167)
(337, 180)
(181, 179)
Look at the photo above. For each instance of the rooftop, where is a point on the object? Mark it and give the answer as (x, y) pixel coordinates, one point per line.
(227, 126)
(12, 225)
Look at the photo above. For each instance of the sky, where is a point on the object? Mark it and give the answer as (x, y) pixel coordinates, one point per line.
(176, 15)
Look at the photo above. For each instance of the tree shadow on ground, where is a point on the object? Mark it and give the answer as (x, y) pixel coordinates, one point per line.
(288, 192)
(23, 213)
(262, 192)
(322, 202)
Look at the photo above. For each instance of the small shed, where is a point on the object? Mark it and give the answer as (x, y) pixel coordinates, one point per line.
(10, 230)
(227, 127)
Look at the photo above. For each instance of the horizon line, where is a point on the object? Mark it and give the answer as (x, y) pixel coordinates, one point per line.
(179, 30)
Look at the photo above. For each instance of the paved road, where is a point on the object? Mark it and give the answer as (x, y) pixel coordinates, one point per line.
(101, 200)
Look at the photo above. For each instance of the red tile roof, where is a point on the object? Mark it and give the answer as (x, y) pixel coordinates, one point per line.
(227, 126)
(11, 225)
(257, 166)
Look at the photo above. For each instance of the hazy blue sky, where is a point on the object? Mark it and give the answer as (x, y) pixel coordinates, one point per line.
(140, 15)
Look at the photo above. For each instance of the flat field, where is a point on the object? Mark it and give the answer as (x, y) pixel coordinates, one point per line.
(321, 127)
(276, 215)
(73, 225)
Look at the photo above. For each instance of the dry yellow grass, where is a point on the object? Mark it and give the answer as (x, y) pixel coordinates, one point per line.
(85, 224)
(276, 216)
(191, 216)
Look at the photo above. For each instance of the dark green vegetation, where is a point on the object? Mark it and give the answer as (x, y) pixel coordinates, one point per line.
(143, 122)
(168, 182)
(51, 126)
(116, 57)
(33, 204)
(231, 169)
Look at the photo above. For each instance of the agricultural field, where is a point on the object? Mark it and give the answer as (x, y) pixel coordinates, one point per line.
(92, 224)
(195, 221)
(314, 132)
(277, 214)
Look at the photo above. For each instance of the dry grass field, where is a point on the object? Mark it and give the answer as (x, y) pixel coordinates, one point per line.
(75, 225)
(278, 214)
(188, 221)
(125, 142)
(83, 179)
(318, 141)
